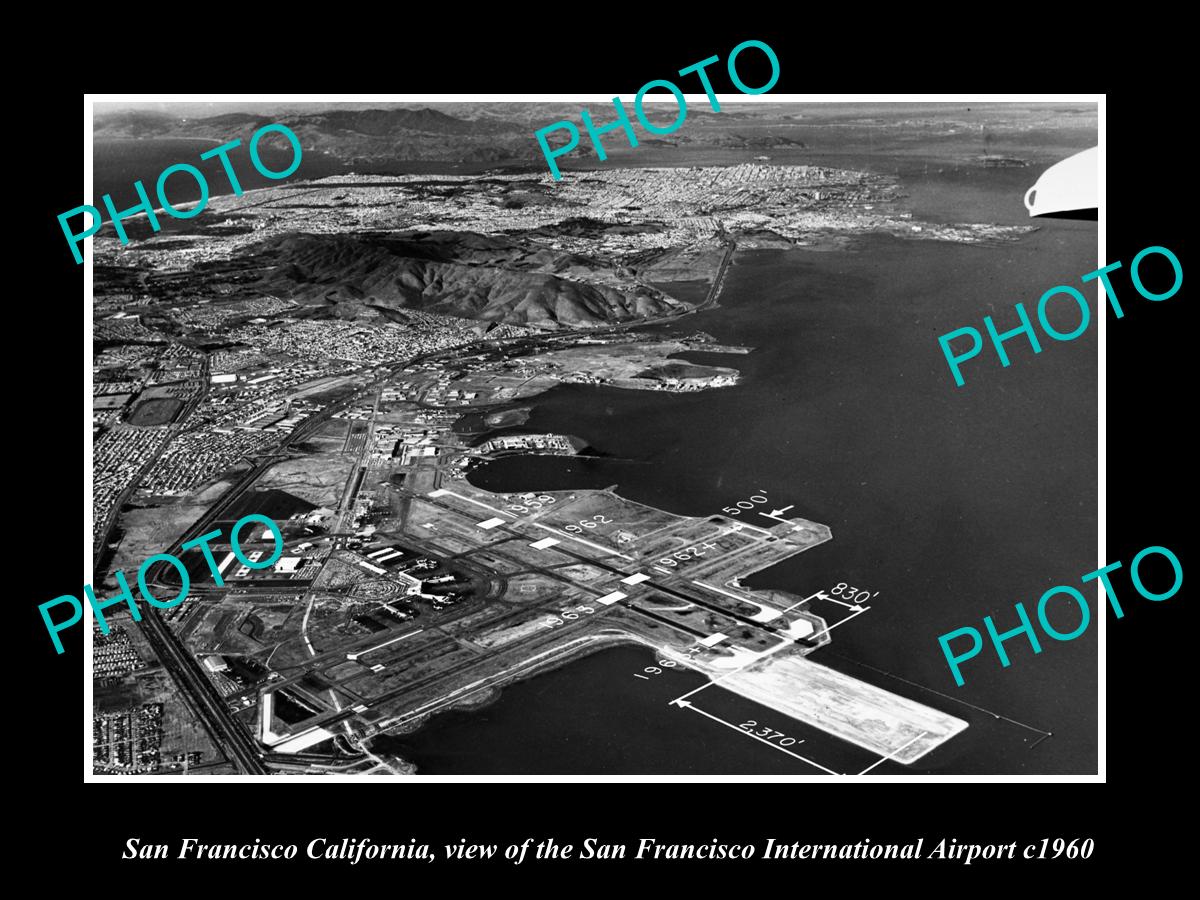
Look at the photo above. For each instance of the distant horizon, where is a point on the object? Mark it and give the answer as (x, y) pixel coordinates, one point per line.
(205, 109)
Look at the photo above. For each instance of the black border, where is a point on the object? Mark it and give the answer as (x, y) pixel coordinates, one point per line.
(1147, 439)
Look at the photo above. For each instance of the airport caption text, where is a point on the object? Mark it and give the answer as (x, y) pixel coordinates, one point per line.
(531, 851)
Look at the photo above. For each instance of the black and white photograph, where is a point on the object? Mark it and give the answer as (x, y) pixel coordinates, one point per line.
(530, 451)
(703, 432)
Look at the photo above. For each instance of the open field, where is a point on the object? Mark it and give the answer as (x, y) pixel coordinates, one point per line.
(156, 411)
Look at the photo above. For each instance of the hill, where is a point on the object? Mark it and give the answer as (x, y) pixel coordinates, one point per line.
(356, 137)
(467, 275)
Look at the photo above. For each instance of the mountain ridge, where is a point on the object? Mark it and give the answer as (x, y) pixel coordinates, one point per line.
(463, 274)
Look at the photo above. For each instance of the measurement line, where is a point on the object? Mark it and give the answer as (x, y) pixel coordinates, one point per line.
(678, 701)
(915, 684)
(766, 531)
(805, 600)
(836, 624)
(757, 658)
(892, 754)
(838, 602)
(572, 537)
(773, 514)
(775, 613)
(757, 738)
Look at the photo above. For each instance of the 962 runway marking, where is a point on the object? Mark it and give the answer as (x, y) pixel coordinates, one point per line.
(689, 553)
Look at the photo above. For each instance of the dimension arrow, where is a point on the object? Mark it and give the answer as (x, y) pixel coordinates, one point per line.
(851, 606)
(813, 637)
(819, 594)
(683, 704)
(777, 513)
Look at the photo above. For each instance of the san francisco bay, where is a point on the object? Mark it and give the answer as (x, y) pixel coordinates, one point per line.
(951, 503)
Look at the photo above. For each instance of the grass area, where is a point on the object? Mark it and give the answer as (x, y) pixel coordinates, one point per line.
(156, 411)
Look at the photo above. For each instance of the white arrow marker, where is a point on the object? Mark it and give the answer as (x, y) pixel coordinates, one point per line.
(836, 624)
(851, 606)
(777, 514)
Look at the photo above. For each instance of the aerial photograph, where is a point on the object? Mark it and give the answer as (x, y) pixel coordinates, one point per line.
(653, 468)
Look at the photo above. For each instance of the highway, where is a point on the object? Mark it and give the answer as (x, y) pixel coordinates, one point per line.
(201, 697)
(194, 685)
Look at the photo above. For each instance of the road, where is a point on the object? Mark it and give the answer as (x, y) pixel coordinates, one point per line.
(194, 685)
(101, 538)
(200, 695)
